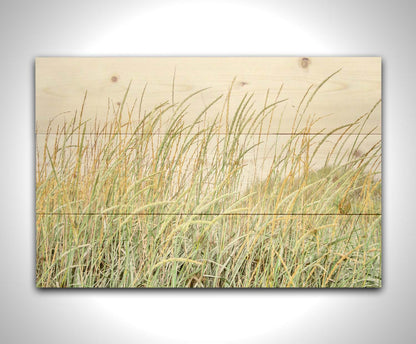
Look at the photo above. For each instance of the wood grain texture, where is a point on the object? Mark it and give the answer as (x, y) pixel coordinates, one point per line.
(62, 82)
(285, 133)
(269, 177)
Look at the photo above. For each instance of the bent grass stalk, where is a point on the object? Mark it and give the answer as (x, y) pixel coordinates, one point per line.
(123, 207)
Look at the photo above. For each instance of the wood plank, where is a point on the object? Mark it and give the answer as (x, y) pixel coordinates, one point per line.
(113, 164)
(62, 82)
(210, 251)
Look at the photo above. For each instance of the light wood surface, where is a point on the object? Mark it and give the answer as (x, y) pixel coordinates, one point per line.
(269, 171)
(257, 162)
(62, 82)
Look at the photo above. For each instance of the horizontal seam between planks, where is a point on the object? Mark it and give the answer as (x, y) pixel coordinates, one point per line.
(213, 214)
(230, 134)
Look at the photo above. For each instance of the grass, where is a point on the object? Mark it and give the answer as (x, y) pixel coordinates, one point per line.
(123, 207)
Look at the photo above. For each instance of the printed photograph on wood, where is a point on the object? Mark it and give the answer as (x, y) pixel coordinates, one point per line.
(225, 172)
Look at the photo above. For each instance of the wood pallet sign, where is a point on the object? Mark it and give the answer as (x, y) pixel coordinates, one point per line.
(208, 172)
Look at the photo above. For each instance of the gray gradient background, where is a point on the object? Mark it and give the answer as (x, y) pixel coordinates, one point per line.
(161, 28)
